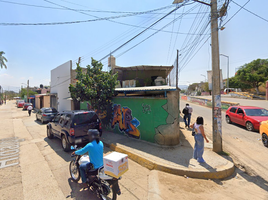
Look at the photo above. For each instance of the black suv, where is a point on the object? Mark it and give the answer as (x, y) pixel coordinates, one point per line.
(72, 126)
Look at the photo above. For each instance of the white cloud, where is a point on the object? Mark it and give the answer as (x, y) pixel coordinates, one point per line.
(6, 76)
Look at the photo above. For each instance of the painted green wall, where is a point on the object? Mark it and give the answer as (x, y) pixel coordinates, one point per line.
(148, 111)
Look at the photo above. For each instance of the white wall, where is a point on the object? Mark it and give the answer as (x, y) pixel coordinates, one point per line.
(60, 81)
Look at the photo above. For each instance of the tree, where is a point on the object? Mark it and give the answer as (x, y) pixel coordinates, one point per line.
(252, 75)
(2, 60)
(95, 86)
(23, 92)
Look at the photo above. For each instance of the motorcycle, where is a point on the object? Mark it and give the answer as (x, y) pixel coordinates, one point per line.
(104, 186)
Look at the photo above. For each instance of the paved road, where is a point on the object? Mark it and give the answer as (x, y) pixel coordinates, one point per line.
(38, 168)
(245, 146)
(243, 102)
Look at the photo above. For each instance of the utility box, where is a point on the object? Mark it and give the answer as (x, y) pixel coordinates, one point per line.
(115, 164)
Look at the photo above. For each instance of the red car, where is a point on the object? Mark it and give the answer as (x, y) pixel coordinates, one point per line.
(20, 104)
(248, 116)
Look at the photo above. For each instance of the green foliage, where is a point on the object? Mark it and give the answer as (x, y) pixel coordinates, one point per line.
(24, 92)
(3, 60)
(192, 87)
(251, 75)
(95, 86)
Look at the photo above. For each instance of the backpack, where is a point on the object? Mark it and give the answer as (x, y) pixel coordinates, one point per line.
(185, 111)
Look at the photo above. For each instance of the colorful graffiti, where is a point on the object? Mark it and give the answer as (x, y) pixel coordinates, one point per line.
(125, 121)
(101, 114)
(146, 108)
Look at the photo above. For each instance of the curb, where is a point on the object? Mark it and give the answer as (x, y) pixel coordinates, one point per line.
(218, 173)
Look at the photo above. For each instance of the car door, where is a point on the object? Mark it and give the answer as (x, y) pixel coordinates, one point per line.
(61, 123)
(240, 116)
(55, 125)
(232, 114)
(38, 114)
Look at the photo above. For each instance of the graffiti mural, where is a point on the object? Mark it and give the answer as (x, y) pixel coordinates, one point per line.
(146, 108)
(125, 121)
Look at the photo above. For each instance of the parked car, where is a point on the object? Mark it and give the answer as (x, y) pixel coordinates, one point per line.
(20, 104)
(25, 106)
(72, 126)
(264, 132)
(46, 114)
(248, 116)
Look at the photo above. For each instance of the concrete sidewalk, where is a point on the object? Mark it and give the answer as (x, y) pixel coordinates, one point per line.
(175, 160)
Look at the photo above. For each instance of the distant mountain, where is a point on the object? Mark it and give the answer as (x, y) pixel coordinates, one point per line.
(183, 87)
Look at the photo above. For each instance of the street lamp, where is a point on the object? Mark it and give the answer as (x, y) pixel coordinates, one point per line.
(227, 69)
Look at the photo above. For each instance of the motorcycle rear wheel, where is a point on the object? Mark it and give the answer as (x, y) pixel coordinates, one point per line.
(105, 192)
(74, 171)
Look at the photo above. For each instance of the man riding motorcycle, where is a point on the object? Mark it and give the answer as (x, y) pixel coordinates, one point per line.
(95, 151)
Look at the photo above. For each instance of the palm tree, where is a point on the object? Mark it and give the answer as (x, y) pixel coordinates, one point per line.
(2, 60)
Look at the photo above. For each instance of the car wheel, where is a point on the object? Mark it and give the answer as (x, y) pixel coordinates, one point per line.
(265, 140)
(36, 117)
(228, 120)
(49, 133)
(65, 144)
(249, 126)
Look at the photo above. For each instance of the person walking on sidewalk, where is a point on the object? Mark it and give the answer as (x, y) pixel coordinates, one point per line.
(199, 139)
(29, 108)
(187, 111)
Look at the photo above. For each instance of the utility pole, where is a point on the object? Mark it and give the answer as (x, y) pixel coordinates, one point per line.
(27, 91)
(216, 95)
(177, 70)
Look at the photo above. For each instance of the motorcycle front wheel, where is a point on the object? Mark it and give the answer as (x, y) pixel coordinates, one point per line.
(74, 171)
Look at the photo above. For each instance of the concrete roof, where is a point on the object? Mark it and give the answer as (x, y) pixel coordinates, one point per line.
(148, 88)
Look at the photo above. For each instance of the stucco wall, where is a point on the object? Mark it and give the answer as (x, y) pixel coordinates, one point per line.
(37, 103)
(151, 119)
(46, 101)
(60, 81)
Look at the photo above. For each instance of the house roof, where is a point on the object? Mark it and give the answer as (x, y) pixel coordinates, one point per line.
(148, 88)
(146, 68)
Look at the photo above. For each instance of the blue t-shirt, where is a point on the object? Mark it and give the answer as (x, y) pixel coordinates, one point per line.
(95, 152)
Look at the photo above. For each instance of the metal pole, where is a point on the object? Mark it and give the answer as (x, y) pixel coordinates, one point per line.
(27, 91)
(216, 95)
(227, 69)
(228, 73)
(177, 70)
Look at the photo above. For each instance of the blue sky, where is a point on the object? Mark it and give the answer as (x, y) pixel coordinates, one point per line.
(34, 50)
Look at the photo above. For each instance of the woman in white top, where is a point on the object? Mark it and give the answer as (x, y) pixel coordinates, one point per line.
(199, 139)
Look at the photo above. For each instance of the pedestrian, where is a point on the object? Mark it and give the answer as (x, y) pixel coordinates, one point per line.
(187, 111)
(199, 139)
(29, 108)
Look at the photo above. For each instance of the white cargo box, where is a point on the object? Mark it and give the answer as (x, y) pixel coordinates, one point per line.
(115, 164)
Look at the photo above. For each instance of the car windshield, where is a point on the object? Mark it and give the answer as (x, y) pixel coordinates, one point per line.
(256, 112)
(85, 118)
(53, 110)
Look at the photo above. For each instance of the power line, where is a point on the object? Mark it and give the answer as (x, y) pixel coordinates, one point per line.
(141, 32)
(250, 11)
(74, 22)
(236, 12)
(154, 33)
(83, 10)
